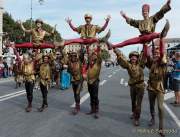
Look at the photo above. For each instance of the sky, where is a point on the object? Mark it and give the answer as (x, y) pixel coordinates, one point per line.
(55, 11)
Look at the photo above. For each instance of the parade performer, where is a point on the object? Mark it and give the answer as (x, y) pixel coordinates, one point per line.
(157, 66)
(17, 68)
(93, 73)
(17, 73)
(75, 69)
(146, 26)
(29, 78)
(38, 35)
(88, 31)
(45, 79)
(136, 81)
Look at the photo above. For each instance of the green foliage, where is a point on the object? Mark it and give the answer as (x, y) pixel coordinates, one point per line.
(16, 34)
(11, 27)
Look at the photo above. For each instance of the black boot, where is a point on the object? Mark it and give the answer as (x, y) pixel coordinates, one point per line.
(92, 111)
(76, 109)
(29, 107)
(161, 133)
(43, 107)
(96, 114)
(152, 122)
(136, 122)
(19, 84)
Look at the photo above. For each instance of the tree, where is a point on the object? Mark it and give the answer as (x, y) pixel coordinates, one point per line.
(11, 27)
(16, 34)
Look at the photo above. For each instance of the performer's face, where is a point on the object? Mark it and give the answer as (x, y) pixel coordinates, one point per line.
(145, 14)
(38, 24)
(26, 60)
(88, 20)
(94, 57)
(133, 59)
(156, 56)
(74, 58)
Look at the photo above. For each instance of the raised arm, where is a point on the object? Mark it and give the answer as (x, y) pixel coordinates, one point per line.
(122, 61)
(107, 19)
(69, 21)
(130, 21)
(23, 28)
(160, 14)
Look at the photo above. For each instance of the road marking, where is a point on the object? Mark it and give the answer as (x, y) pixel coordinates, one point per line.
(171, 113)
(168, 95)
(114, 72)
(102, 82)
(83, 99)
(109, 76)
(11, 94)
(175, 118)
(86, 96)
(125, 84)
(9, 97)
(5, 81)
(121, 81)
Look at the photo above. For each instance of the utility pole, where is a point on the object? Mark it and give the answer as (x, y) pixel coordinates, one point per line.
(1, 26)
(31, 21)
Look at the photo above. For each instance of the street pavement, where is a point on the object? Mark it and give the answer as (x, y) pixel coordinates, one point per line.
(57, 120)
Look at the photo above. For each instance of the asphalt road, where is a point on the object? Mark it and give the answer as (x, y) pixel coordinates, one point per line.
(57, 121)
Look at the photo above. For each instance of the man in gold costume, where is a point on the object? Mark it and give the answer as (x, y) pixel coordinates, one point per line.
(29, 78)
(88, 31)
(146, 26)
(45, 79)
(38, 35)
(136, 81)
(157, 67)
(93, 73)
(75, 69)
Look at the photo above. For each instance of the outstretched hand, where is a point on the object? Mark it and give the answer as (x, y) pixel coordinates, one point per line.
(123, 14)
(108, 18)
(68, 20)
(169, 2)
